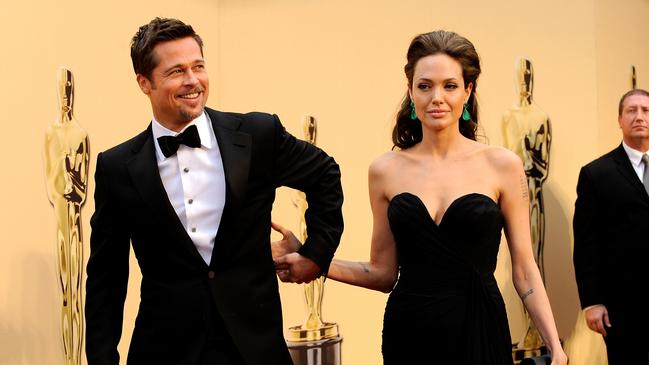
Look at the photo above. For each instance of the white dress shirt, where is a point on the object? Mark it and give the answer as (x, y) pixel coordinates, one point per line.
(636, 160)
(195, 183)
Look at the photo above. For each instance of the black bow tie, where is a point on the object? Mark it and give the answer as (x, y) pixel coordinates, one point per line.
(189, 137)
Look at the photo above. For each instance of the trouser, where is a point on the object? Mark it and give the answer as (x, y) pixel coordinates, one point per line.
(627, 343)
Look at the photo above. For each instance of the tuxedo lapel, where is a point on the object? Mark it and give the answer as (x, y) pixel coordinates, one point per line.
(235, 148)
(235, 154)
(623, 165)
(143, 168)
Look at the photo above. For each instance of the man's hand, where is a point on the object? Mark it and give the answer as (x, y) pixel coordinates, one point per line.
(291, 266)
(597, 319)
(288, 244)
(295, 268)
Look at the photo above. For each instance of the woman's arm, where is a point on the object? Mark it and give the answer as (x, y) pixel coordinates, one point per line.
(380, 272)
(514, 203)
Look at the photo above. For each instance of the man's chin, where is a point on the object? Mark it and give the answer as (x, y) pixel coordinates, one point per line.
(190, 115)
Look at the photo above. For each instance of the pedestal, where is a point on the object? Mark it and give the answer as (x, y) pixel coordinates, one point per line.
(322, 352)
(519, 353)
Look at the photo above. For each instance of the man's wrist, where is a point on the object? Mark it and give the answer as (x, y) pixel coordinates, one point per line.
(591, 307)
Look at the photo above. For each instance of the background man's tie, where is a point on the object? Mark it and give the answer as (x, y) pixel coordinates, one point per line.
(645, 177)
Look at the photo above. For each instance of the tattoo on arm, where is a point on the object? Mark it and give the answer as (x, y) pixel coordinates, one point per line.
(365, 267)
(525, 190)
(527, 294)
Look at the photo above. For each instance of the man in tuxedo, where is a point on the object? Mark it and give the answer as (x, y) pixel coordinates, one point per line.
(193, 194)
(611, 227)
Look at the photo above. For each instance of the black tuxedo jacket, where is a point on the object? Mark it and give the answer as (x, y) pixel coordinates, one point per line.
(178, 288)
(611, 231)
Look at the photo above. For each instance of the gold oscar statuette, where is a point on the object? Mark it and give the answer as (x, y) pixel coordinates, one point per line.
(315, 341)
(527, 132)
(66, 168)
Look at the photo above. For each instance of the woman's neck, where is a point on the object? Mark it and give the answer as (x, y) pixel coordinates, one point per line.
(443, 143)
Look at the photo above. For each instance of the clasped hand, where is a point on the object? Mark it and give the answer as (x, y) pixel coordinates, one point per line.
(291, 267)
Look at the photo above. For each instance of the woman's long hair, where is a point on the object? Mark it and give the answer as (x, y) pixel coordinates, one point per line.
(407, 132)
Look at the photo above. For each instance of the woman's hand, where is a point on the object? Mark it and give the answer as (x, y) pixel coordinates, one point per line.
(559, 358)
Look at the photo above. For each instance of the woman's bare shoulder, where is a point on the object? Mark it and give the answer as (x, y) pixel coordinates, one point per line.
(385, 163)
(501, 159)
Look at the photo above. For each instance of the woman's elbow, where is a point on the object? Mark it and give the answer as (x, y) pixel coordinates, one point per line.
(387, 284)
(522, 274)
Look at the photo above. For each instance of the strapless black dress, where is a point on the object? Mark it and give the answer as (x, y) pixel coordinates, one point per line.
(446, 307)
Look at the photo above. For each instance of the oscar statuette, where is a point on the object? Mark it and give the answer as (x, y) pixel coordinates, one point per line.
(66, 169)
(527, 133)
(314, 342)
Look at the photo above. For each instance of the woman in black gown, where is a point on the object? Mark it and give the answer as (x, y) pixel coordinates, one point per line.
(440, 201)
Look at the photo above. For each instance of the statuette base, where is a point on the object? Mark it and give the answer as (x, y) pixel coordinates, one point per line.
(322, 352)
(300, 334)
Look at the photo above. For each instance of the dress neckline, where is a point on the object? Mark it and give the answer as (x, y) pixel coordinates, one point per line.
(451, 205)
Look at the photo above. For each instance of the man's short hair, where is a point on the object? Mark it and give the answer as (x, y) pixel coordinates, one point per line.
(157, 31)
(630, 93)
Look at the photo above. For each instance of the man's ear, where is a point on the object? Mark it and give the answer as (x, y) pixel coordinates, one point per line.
(144, 83)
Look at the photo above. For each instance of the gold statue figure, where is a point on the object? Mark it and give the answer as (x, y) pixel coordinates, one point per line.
(66, 168)
(527, 132)
(314, 328)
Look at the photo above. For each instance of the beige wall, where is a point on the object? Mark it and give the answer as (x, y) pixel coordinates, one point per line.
(621, 33)
(339, 61)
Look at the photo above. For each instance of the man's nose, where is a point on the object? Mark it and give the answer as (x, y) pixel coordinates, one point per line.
(643, 115)
(190, 78)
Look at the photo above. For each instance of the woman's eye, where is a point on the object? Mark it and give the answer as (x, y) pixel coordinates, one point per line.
(451, 86)
(423, 86)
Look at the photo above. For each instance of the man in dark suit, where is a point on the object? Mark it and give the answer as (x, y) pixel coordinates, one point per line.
(193, 194)
(611, 227)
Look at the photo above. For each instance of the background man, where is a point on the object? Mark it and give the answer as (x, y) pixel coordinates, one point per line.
(611, 227)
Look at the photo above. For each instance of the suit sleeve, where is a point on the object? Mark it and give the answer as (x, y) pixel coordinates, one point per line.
(303, 166)
(107, 279)
(589, 249)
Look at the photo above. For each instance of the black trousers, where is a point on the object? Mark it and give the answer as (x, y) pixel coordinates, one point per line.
(627, 343)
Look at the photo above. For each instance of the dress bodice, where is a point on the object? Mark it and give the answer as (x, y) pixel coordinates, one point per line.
(466, 237)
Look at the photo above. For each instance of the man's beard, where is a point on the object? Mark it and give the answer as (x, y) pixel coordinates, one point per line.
(188, 117)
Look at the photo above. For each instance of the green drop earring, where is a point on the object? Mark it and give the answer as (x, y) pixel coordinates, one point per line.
(413, 115)
(466, 116)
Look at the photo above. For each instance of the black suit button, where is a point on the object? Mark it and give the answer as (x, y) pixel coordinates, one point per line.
(211, 274)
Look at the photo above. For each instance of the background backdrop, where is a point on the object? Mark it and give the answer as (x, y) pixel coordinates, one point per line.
(340, 61)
